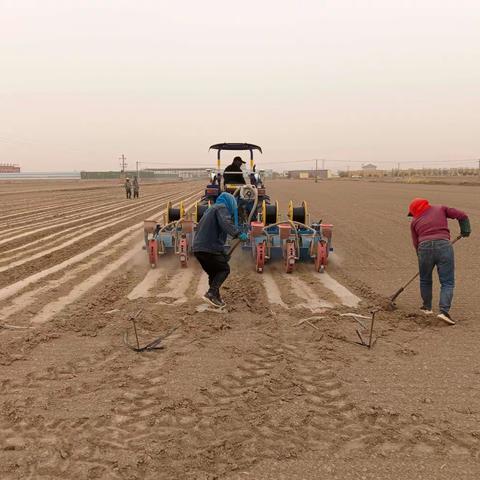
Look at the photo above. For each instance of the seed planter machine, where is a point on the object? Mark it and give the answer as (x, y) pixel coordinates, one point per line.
(291, 239)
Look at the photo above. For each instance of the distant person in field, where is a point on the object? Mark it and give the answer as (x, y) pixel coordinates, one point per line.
(128, 188)
(431, 239)
(220, 220)
(234, 173)
(136, 187)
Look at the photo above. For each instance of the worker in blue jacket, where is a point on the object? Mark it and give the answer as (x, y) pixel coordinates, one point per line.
(220, 220)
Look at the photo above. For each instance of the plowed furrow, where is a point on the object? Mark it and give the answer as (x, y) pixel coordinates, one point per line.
(59, 259)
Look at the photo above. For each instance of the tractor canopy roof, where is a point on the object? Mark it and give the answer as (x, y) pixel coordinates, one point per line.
(235, 146)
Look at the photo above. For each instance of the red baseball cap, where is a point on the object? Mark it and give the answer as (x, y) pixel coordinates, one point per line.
(417, 207)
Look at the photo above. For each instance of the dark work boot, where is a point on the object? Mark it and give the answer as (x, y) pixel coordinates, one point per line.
(213, 297)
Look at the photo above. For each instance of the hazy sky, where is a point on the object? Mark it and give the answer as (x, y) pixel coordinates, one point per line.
(83, 81)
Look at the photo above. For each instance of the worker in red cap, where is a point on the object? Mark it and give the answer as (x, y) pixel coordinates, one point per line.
(431, 239)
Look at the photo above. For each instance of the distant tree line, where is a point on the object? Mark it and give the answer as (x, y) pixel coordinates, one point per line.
(412, 172)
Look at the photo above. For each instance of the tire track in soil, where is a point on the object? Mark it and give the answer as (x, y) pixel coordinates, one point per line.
(280, 400)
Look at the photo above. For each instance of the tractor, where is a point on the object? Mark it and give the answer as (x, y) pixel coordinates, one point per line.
(290, 240)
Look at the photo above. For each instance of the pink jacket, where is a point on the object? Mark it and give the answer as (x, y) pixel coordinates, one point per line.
(432, 224)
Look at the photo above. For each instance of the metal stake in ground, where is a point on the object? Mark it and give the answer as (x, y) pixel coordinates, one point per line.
(132, 319)
(153, 345)
(135, 330)
(362, 341)
(370, 344)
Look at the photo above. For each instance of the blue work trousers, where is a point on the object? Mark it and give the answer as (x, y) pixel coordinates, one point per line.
(431, 254)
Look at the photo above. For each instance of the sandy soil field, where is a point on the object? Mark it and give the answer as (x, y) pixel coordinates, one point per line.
(247, 393)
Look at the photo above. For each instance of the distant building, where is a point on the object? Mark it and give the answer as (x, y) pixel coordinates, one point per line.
(367, 170)
(9, 168)
(267, 173)
(184, 173)
(306, 174)
(370, 170)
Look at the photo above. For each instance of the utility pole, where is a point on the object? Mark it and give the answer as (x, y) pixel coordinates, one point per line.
(137, 170)
(479, 168)
(323, 164)
(123, 163)
(398, 169)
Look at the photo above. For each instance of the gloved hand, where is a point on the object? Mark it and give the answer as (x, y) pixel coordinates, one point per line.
(243, 237)
(465, 228)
